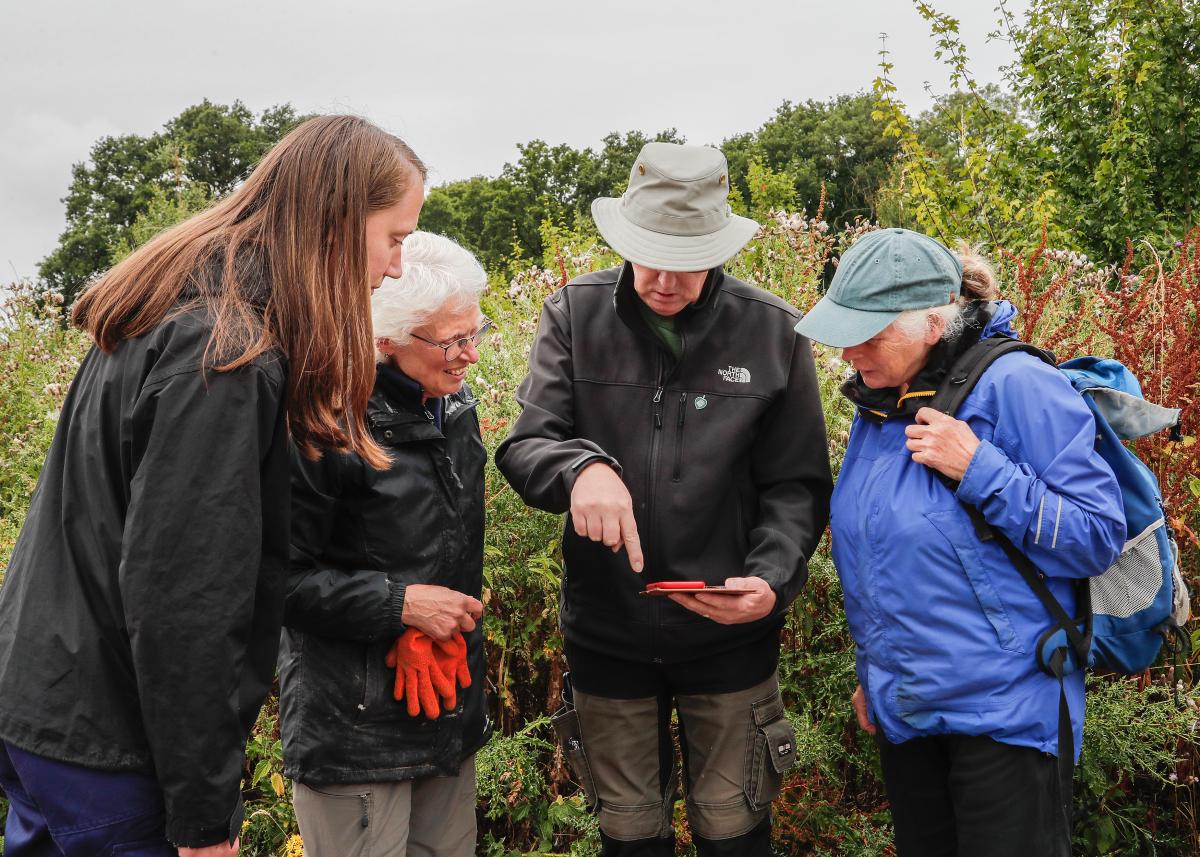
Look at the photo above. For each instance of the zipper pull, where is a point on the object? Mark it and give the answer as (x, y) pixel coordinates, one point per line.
(682, 408)
(658, 394)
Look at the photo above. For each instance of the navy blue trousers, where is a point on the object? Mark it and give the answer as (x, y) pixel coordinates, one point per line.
(57, 809)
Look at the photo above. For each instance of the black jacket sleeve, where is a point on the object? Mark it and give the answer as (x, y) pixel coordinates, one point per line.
(541, 457)
(790, 468)
(191, 556)
(322, 597)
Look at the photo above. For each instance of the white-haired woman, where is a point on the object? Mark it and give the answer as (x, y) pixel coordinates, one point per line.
(382, 669)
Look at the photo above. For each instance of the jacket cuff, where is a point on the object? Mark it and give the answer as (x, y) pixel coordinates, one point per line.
(572, 471)
(983, 466)
(185, 833)
(396, 607)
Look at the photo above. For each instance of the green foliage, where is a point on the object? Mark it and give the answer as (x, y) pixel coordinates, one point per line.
(1131, 759)
(38, 359)
(270, 821)
(827, 148)
(769, 191)
(966, 168)
(514, 792)
(165, 208)
(1096, 143)
(205, 150)
(1110, 87)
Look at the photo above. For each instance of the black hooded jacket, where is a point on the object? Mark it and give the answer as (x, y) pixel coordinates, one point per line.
(723, 451)
(359, 537)
(140, 616)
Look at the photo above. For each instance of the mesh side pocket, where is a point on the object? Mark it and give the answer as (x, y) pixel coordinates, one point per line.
(1132, 582)
(1181, 609)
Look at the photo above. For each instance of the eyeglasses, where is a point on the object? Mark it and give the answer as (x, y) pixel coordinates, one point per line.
(453, 350)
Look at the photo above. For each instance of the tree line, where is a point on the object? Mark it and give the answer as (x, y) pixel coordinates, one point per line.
(1093, 140)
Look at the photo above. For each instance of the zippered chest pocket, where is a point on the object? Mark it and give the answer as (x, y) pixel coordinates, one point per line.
(677, 468)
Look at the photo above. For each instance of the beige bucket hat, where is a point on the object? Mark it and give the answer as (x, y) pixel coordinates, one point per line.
(675, 215)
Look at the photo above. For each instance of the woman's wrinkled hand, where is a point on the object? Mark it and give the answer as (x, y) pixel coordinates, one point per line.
(941, 442)
(731, 609)
(859, 701)
(439, 611)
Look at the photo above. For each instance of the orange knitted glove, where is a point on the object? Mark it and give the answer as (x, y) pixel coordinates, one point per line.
(418, 675)
(451, 658)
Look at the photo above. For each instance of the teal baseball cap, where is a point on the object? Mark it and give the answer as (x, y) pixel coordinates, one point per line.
(883, 274)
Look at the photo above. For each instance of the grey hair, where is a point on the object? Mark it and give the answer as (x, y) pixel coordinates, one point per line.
(438, 274)
(978, 284)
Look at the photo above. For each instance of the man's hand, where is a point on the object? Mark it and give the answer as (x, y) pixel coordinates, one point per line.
(602, 511)
(941, 442)
(859, 701)
(221, 849)
(439, 611)
(732, 609)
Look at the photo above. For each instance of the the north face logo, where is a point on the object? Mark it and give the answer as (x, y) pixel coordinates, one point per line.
(735, 375)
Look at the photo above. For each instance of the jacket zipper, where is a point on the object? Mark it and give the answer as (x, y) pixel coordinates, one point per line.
(676, 472)
(655, 442)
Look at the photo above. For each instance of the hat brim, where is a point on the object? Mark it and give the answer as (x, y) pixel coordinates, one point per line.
(665, 252)
(840, 326)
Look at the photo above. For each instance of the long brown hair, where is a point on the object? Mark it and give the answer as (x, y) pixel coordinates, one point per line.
(280, 263)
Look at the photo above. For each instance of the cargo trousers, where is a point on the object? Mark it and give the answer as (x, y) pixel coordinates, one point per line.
(735, 747)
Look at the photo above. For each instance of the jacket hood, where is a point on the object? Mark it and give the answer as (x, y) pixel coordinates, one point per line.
(1000, 324)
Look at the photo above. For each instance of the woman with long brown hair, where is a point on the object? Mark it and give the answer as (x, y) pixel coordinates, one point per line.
(140, 616)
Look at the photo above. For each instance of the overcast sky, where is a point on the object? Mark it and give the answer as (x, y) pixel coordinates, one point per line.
(462, 82)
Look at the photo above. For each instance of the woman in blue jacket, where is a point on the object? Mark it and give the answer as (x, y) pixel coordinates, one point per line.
(944, 625)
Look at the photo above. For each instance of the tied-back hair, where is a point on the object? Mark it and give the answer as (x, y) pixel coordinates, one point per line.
(978, 284)
(978, 277)
(280, 263)
(438, 273)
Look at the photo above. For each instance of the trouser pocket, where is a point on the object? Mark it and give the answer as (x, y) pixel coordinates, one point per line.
(570, 737)
(771, 751)
(335, 820)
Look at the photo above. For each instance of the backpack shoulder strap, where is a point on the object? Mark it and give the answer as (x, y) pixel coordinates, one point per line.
(966, 371)
(964, 374)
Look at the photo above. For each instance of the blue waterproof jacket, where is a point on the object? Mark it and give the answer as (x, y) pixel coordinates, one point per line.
(944, 625)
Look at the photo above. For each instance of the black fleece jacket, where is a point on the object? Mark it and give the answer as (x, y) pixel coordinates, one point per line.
(723, 452)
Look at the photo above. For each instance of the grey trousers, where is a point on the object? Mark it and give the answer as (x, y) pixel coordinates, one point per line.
(736, 749)
(430, 817)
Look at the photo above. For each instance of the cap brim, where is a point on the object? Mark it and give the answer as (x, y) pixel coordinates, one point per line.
(840, 326)
(670, 252)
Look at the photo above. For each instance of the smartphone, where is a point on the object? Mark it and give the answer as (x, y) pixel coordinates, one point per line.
(666, 587)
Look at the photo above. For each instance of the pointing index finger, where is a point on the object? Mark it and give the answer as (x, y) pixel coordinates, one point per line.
(633, 544)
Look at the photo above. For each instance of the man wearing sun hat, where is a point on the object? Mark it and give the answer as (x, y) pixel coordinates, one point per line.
(673, 413)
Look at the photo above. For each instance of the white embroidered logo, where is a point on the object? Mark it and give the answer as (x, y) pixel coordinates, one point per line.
(735, 375)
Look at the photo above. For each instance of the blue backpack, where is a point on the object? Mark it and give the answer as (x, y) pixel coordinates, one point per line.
(1140, 601)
